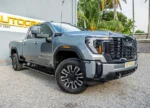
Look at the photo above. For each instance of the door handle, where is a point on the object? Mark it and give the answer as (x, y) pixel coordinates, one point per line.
(35, 42)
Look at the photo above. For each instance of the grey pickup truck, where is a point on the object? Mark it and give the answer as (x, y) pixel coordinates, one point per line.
(76, 57)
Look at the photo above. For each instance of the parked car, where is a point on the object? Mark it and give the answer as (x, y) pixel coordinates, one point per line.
(78, 58)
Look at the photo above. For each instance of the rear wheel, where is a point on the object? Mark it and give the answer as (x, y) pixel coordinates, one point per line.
(70, 77)
(15, 62)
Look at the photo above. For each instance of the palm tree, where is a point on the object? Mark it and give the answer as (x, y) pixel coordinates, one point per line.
(112, 4)
(148, 20)
(89, 14)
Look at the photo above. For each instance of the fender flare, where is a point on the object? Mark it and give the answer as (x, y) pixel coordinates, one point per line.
(13, 48)
(72, 48)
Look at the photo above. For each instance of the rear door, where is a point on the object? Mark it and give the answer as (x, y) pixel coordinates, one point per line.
(29, 49)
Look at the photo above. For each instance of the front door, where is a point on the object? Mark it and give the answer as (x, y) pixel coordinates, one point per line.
(43, 48)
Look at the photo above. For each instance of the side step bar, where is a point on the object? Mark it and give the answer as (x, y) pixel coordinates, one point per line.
(45, 71)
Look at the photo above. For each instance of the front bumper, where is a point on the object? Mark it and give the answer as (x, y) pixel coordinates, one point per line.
(98, 71)
(110, 68)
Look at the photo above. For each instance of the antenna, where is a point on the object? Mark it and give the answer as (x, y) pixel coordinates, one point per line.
(63, 1)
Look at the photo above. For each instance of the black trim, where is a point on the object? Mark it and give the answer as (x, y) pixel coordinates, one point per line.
(107, 51)
(72, 48)
(119, 62)
(107, 56)
(126, 73)
(110, 76)
(45, 70)
(14, 48)
(99, 69)
(117, 75)
(110, 61)
(20, 57)
(83, 69)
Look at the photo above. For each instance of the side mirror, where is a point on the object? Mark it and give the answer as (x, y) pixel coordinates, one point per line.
(36, 30)
(46, 36)
(42, 35)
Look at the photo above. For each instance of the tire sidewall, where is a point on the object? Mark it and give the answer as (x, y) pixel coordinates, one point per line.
(18, 65)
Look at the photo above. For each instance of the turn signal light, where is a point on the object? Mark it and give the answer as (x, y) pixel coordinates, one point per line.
(66, 47)
(100, 49)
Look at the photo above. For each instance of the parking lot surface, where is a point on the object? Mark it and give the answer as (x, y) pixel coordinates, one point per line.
(30, 89)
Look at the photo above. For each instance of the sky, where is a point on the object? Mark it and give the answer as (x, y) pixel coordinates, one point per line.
(141, 13)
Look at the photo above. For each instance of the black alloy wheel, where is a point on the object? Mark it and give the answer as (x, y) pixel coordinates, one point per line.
(15, 62)
(70, 77)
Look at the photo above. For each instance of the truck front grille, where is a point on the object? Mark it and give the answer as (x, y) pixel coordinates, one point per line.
(123, 48)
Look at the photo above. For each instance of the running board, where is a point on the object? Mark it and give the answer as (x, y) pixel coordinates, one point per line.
(40, 70)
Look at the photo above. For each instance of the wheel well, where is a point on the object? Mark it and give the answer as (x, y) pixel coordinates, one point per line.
(13, 51)
(62, 55)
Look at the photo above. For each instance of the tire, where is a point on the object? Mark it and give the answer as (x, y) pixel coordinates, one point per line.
(15, 63)
(69, 76)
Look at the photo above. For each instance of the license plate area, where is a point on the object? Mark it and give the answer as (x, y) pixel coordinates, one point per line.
(129, 64)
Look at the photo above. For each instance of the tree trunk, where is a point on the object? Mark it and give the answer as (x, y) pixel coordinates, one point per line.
(115, 10)
(149, 22)
(99, 14)
(133, 16)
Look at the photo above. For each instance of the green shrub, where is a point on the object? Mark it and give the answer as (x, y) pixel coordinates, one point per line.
(139, 31)
(111, 25)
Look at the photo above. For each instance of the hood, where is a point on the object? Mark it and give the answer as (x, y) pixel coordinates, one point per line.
(94, 34)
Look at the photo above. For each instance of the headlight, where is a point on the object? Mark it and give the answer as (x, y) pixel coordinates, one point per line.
(95, 44)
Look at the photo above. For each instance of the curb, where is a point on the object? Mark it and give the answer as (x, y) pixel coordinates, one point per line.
(143, 40)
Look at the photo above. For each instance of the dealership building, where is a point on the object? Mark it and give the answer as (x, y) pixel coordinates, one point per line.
(17, 15)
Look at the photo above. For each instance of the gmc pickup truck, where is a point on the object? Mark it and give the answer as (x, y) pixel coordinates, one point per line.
(76, 57)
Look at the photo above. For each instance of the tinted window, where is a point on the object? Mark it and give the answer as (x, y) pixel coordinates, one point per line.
(65, 27)
(45, 29)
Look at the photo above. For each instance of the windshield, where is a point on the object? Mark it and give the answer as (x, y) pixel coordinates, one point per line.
(62, 27)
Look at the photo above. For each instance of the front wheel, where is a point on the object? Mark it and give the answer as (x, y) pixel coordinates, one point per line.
(70, 77)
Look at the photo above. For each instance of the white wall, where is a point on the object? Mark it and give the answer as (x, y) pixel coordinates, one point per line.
(6, 37)
(47, 10)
